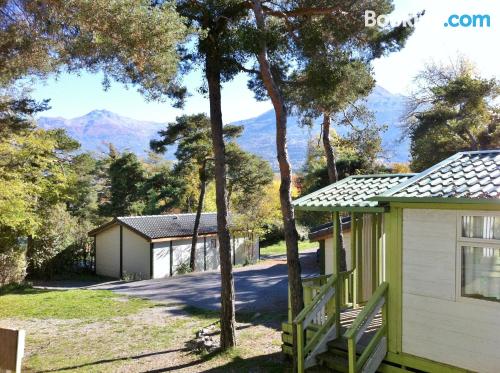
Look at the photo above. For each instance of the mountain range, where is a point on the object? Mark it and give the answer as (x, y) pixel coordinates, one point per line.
(100, 127)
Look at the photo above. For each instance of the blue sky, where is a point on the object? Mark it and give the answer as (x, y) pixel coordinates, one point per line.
(73, 96)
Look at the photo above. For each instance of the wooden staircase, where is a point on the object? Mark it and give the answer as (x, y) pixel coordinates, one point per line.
(351, 341)
(336, 358)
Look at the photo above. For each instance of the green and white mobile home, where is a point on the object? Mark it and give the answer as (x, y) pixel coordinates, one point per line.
(431, 301)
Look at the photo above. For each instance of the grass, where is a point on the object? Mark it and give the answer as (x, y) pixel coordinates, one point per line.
(27, 302)
(98, 331)
(280, 248)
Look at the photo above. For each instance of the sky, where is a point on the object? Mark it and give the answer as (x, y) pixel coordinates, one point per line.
(72, 96)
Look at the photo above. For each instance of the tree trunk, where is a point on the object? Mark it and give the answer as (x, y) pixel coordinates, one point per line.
(212, 70)
(291, 236)
(201, 200)
(333, 177)
(331, 163)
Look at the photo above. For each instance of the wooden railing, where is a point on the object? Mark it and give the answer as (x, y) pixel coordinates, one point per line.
(375, 351)
(315, 313)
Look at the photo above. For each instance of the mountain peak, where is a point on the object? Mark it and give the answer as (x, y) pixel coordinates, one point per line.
(100, 113)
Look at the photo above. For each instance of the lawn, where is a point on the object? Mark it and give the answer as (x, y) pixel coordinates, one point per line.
(98, 331)
(280, 247)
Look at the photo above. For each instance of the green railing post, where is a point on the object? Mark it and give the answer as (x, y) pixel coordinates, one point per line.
(300, 348)
(380, 269)
(354, 261)
(338, 284)
(374, 251)
(359, 257)
(351, 348)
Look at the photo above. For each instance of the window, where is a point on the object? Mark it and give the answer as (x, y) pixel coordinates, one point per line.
(479, 245)
(213, 243)
(483, 227)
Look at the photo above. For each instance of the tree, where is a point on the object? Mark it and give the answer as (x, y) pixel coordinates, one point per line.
(126, 179)
(128, 40)
(453, 109)
(218, 51)
(287, 32)
(192, 136)
(248, 175)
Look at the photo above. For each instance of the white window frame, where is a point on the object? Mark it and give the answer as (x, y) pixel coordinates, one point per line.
(472, 242)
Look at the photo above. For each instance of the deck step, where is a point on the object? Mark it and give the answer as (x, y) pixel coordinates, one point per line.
(333, 361)
(339, 346)
(319, 369)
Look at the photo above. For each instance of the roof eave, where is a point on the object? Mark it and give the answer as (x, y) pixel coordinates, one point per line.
(450, 200)
(103, 227)
(368, 209)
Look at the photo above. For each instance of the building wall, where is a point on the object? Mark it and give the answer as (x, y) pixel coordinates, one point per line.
(180, 254)
(245, 250)
(213, 260)
(108, 252)
(437, 324)
(367, 274)
(136, 254)
(161, 259)
(329, 256)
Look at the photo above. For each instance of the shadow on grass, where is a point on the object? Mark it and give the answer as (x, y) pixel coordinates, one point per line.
(272, 363)
(269, 319)
(20, 289)
(105, 361)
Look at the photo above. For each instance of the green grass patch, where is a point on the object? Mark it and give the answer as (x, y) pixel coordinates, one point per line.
(280, 247)
(68, 304)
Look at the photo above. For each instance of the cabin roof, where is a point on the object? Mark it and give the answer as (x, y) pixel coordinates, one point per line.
(164, 226)
(323, 231)
(351, 193)
(464, 176)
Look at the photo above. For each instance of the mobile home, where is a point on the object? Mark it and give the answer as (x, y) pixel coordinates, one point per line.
(433, 257)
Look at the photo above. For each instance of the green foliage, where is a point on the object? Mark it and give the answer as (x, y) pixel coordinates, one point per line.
(248, 175)
(60, 244)
(12, 266)
(126, 179)
(183, 268)
(454, 109)
(352, 159)
(34, 174)
(129, 40)
(16, 112)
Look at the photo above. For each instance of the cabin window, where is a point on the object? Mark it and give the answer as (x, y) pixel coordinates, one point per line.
(481, 273)
(483, 227)
(479, 244)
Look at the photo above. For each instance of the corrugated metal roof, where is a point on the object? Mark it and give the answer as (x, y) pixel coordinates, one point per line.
(352, 192)
(471, 175)
(177, 225)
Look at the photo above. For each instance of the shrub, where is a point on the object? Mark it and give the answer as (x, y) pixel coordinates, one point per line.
(12, 266)
(183, 268)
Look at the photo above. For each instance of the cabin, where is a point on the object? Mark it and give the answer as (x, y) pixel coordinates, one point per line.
(422, 292)
(158, 246)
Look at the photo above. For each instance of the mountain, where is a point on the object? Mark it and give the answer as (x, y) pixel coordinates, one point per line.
(100, 127)
(260, 132)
